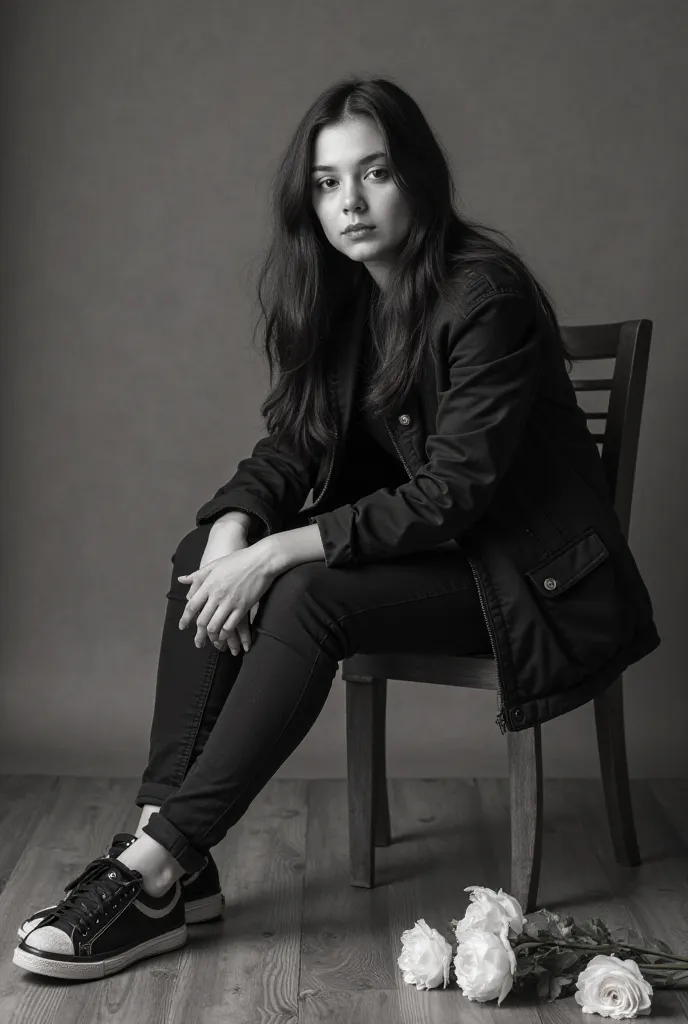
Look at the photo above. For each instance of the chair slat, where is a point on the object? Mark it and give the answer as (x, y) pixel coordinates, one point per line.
(593, 341)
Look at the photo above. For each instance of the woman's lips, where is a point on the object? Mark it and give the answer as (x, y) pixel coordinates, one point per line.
(358, 233)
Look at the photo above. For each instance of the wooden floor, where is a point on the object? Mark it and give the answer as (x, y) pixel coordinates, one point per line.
(300, 944)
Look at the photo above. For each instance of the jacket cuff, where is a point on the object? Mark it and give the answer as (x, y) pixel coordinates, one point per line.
(336, 534)
(263, 522)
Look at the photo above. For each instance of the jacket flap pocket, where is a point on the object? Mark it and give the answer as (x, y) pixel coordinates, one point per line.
(562, 570)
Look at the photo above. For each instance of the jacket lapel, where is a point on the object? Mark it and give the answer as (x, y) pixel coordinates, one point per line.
(421, 402)
(350, 340)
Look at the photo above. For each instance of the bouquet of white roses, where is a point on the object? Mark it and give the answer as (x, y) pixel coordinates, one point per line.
(499, 950)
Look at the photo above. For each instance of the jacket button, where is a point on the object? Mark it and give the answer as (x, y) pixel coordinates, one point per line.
(550, 583)
(517, 714)
(404, 419)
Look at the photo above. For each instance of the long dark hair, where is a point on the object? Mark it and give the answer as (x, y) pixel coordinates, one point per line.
(305, 283)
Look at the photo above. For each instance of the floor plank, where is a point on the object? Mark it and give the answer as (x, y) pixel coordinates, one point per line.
(24, 801)
(77, 827)
(299, 944)
(245, 967)
(345, 934)
(580, 876)
(440, 845)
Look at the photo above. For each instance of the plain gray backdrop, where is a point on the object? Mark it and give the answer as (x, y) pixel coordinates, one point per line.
(138, 140)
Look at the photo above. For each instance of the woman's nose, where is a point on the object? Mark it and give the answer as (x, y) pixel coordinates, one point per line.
(353, 199)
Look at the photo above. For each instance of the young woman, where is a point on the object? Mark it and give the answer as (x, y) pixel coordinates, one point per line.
(459, 506)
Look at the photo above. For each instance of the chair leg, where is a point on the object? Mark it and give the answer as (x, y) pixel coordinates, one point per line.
(525, 798)
(382, 833)
(367, 792)
(611, 744)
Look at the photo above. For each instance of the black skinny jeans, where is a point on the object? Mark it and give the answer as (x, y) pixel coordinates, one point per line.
(223, 723)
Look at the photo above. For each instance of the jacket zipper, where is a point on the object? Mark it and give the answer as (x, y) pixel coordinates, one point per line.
(501, 715)
(316, 501)
(403, 460)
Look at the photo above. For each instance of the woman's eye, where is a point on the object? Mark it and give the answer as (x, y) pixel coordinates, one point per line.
(376, 170)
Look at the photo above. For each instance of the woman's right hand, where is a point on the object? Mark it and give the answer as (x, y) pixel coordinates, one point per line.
(224, 539)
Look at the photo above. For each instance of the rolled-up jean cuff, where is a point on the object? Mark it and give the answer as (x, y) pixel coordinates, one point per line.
(165, 833)
(153, 793)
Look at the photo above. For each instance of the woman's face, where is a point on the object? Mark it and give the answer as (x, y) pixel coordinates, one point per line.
(351, 184)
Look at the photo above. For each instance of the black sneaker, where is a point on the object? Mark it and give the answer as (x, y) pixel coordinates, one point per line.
(201, 892)
(107, 922)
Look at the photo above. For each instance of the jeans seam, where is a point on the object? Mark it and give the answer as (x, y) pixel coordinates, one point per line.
(273, 636)
(439, 593)
(201, 702)
(390, 604)
(248, 783)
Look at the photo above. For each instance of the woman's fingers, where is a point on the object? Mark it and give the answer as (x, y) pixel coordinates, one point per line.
(191, 611)
(214, 629)
(244, 632)
(198, 578)
(232, 643)
(236, 639)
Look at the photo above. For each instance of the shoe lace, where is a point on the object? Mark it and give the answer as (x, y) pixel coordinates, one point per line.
(89, 894)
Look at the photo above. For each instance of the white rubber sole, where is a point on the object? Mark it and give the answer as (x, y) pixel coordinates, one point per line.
(86, 970)
(196, 912)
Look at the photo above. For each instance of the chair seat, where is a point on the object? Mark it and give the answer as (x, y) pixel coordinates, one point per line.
(478, 671)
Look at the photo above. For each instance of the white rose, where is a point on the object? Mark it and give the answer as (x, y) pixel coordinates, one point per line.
(425, 957)
(489, 911)
(485, 964)
(613, 988)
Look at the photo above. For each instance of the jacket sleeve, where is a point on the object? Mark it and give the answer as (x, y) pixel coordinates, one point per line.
(272, 484)
(493, 365)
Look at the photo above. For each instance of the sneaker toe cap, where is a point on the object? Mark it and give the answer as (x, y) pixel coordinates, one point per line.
(50, 940)
(31, 922)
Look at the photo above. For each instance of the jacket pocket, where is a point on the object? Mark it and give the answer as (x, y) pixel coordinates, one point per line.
(576, 592)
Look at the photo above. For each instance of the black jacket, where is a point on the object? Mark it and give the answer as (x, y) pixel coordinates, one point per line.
(499, 458)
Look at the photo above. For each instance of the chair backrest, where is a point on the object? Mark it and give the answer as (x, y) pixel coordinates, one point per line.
(628, 344)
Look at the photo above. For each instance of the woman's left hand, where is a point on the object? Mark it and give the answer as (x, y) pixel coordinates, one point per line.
(222, 592)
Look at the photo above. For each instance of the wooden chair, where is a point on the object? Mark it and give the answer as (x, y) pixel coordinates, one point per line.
(628, 344)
